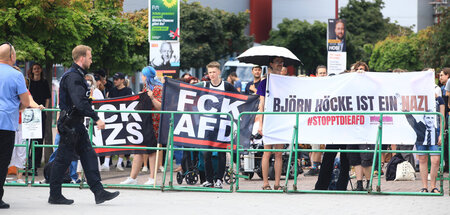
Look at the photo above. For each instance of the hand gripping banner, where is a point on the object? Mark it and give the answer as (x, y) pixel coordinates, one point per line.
(205, 130)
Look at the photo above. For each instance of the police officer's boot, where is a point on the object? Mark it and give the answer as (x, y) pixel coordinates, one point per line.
(103, 195)
(59, 200)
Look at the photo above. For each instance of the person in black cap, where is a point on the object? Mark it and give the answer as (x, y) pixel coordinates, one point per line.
(75, 105)
(120, 89)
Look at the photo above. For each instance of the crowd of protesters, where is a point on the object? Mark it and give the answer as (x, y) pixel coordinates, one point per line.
(33, 91)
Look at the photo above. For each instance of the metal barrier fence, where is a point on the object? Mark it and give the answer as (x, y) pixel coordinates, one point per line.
(234, 176)
(376, 152)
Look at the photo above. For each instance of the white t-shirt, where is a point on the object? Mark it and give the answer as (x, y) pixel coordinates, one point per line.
(97, 95)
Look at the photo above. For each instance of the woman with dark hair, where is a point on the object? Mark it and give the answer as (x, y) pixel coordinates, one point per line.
(40, 91)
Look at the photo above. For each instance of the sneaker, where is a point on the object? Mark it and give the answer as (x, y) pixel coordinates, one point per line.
(104, 168)
(20, 181)
(129, 180)
(75, 181)
(150, 181)
(312, 172)
(218, 184)
(207, 184)
(161, 169)
(144, 169)
(3, 205)
(128, 164)
(120, 168)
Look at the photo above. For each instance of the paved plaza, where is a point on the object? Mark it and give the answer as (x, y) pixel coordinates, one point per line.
(28, 200)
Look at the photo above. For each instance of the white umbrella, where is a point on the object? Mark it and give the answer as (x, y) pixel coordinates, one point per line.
(261, 55)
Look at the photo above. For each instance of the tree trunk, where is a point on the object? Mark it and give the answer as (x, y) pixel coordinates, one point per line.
(48, 74)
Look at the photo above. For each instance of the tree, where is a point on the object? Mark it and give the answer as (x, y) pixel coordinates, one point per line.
(365, 24)
(307, 41)
(208, 35)
(436, 50)
(397, 52)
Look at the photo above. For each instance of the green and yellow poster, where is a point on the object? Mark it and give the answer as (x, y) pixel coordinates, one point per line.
(164, 21)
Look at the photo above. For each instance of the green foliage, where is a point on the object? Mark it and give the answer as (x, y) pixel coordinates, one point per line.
(307, 41)
(397, 52)
(43, 31)
(365, 24)
(208, 34)
(436, 50)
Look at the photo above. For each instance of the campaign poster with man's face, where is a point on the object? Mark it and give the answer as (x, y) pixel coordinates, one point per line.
(336, 35)
(165, 58)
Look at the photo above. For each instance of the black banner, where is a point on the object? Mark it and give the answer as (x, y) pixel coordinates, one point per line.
(205, 130)
(124, 129)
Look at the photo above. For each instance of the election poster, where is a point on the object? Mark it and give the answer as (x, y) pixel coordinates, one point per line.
(123, 129)
(329, 98)
(205, 130)
(164, 22)
(31, 123)
(337, 55)
(165, 58)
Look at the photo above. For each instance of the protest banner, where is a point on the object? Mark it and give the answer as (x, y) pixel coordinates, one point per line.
(123, 129)
(351, 92)
(205, 130)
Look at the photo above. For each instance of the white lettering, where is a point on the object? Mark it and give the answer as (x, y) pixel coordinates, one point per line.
(133, 128)
(189, 128)
(203, 126)
(131, 106)
(202, 100)
(101, 115)
(183, 100)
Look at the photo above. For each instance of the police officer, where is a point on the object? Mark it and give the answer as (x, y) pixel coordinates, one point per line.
(75, 105)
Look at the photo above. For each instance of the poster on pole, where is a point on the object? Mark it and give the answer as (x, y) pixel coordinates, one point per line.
(337, 62)
(31, 124)
(165, 58)
(337, 55)
(164, 22)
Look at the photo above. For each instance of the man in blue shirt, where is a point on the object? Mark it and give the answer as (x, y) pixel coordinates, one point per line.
(14, 95)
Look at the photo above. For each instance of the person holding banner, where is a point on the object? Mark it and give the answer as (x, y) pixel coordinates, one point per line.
(214, 178)
(151, 100)
(75, 105)
(14, 97)
(275, 67)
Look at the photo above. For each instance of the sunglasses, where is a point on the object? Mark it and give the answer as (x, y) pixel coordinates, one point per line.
(10, 47)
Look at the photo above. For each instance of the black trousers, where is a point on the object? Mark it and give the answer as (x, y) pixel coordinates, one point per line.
(68, 148)
(6, 149)
(212, 175)
(326, 169)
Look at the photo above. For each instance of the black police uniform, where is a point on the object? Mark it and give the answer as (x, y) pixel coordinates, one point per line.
(74, 99)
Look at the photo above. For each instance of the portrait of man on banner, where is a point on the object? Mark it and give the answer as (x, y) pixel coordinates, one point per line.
(336, 35)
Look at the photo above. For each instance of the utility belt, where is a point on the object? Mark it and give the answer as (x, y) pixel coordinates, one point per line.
(66, 124)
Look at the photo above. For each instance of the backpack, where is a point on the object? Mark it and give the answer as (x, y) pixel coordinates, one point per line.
(391, 168)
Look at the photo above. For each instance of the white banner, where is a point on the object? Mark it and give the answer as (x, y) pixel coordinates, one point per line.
(31, 123)
(350, 92)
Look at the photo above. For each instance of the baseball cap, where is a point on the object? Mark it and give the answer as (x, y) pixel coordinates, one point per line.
(119, 75)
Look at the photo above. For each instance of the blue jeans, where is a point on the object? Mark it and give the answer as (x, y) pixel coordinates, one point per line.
(73, 165)
(428, 148)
